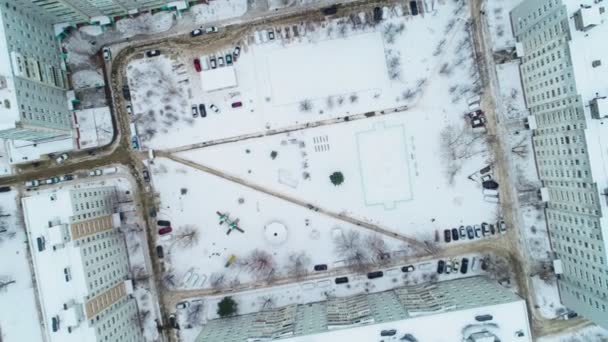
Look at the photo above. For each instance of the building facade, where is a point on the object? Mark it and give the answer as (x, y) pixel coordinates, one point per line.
(77, 11)
(556, 39)
(81, 266)
(34, 109)
(363, 317)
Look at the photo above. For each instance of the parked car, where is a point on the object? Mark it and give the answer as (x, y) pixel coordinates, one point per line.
(492, 229)
(377, 14)
(173, 322)
(163, 223)
(463, 232)
(374, 275)
(194, 111)
(220, 61)
(211, 29)
(341, 280)
(107, 54)
(165, 230)
(408, 268)
(455, 234)
(236, 52)
(455, 266)
(146, 175)
(197, 65)
(66, 178)
(5, 189)
(448, 268)
(212, 62)
(502, 226)
(201, 108)
(152, 53)
(32, 183)
(447, 235)
(485, 228)
(237, 104)
(159, 252)
(477, 231)
(440, 266)
(228, 59)
(96, 172)
(134, 143)
(464, 267)
(470, 233)
(320, 267)
(214, 108)
(129, 110)
(271, 35)
(62, 158)
(182, 305)
(484, 264)
(195, 33)
(390, 332)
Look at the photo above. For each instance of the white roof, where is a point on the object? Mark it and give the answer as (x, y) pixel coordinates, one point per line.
(508, 318)
(21, 151)
(586, 47)
(49, 265)
(94, 127)
(218, 78)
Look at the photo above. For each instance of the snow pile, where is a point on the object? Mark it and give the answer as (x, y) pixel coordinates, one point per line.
(87, 79)
(588, 334)
(218, 10)
(92, 30)
(146, 23)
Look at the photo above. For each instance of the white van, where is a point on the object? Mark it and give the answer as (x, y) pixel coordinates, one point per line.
(204, 63)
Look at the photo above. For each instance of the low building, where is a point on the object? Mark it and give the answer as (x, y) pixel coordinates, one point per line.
(81, 266)
(450, 309)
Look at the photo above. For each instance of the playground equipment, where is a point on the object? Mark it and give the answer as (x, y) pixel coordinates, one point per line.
(232, 224)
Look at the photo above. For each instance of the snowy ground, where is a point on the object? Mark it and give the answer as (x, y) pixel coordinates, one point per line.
(499, 21)
(18, 316)
(386, 74)
(146, 23)
(400, 192)
(190, 199)
(589, 334)
(313, 291)
(218, 10)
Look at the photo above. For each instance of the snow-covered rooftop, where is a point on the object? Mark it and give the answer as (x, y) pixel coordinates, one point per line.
(94, 127)
(219, 78)
(21, 151)
(50, 264)
(589, 54)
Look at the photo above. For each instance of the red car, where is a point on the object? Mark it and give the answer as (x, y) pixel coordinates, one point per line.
(197, 65)
(165, 230)
(237, 104)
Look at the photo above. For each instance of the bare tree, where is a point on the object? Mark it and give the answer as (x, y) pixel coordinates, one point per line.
(195, 313)
(169, 280)
(350, 247)
(186, 236)
(298, 264)
(217, 280)
(458, 144)
(260, 264)
(5, 281)
(305, 105)
(377, 247)
(267, 302)
(497, 267)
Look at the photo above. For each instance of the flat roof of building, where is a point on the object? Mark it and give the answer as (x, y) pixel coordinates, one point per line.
(50, 208)
(589, 54)
(218, 78)
(94, 127)
(21, 151)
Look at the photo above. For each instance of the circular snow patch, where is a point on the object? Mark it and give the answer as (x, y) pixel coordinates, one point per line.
(275, 232)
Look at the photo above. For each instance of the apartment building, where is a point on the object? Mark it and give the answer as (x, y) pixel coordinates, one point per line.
(81, 266)
(564, 67)
(77, 11)
(34, 114)
(454, 306)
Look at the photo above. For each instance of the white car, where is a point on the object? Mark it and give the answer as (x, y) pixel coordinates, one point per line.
(97, 172)
(214, 108)
(477, 231)
(107, 55)
(211, 29)
(182, 305)
(32, 183)
(62, 158)
(129, 110)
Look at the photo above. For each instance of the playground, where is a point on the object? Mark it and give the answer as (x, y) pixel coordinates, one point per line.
(231, 222)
